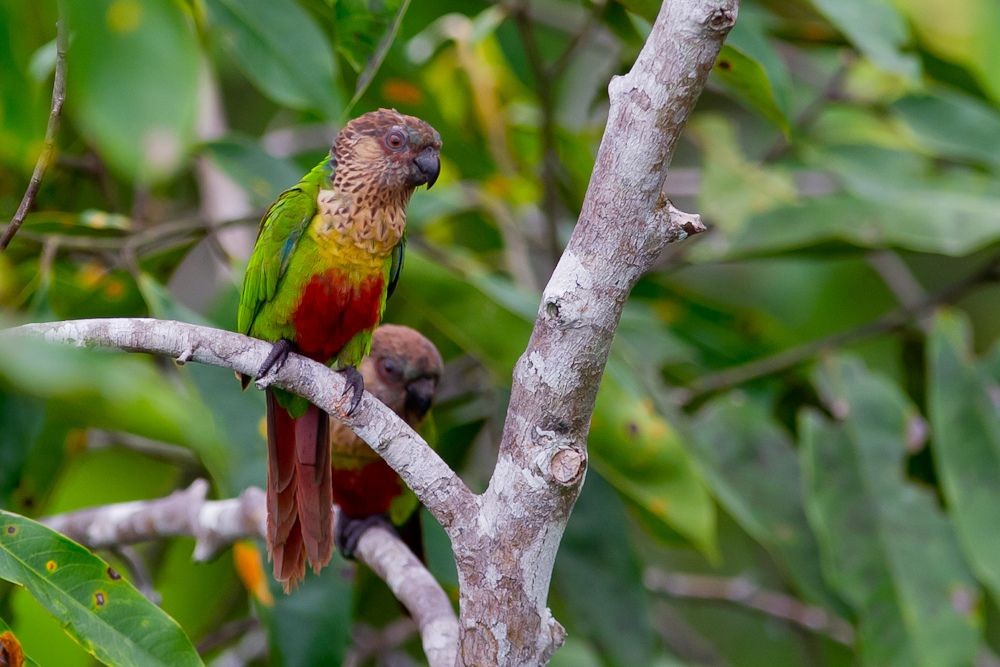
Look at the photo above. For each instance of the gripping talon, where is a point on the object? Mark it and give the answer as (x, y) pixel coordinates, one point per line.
(355, 383)
(276, 357)
(347, 531)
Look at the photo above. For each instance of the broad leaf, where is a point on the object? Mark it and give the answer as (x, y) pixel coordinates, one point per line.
(108, 390)
(312, 626)
(964, 406)
(97, 607)
(750, 464)
(876, 28)
(961, 32)
(262, 175)
(952, 125)
(748, 82)
(886, 546)
(134, 80)
(612, 607)
(281, 50)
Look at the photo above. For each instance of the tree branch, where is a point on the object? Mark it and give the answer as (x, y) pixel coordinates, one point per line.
(776, 363)
(742, 591)
(48, 149)
(215, 524)
(435, 484)
(505, 565)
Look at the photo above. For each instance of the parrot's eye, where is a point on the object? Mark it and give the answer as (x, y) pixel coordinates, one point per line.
(391, 369)
(396, 139)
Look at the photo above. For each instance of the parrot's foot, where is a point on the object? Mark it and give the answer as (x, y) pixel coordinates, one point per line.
(347, 531)
(276, 357)
(355, 383)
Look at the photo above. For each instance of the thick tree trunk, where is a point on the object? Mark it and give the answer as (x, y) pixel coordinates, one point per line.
(505, 560)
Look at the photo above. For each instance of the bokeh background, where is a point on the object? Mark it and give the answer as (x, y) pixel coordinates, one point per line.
(795, 457)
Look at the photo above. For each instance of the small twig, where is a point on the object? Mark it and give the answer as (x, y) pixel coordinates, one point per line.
(899, 279)
(792, 357)
(248, 650)
(162, 451)
(742, 591)
(48, 149)
(373, 643)
(811, 113)
(226, 633)
(141, 577)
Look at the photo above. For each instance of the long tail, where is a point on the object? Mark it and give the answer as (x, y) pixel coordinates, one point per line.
(299, 492)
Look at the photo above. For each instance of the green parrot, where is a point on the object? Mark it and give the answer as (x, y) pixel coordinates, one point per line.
(328, 254)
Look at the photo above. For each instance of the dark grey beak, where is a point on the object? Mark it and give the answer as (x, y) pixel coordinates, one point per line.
(419, 396)
(428, 165)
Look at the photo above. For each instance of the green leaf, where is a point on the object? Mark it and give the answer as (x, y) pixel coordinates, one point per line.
(748, 82)
(108, 390)
(876, 28)
(647, 9)
(312, 626)
(89, 222)
(642, 455)
(99, 609)
(133, 85)
(896, 199)
(23, 110)
(22, 422)
(960, 32)
(734, 188)
(612, 608)
(952, 125)
(750, 463)
(281, 50)
(262, 175)
(964, 404)
(885, 544)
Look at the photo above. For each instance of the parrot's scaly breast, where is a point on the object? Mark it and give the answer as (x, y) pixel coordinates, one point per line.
(370, 225)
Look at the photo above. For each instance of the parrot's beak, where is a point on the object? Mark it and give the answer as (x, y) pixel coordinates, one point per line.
(428, 166)
(419, 395)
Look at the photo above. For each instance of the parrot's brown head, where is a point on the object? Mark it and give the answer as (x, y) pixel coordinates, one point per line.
(403, 371)
(384, 147)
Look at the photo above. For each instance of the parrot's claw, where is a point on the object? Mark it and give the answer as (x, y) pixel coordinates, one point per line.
(276, 357)
(347, 531)
(356, 384)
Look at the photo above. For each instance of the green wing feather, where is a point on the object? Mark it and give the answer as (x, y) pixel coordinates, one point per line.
(280, 230)
(396, 266)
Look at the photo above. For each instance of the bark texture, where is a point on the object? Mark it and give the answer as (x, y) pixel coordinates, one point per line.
(505, 560)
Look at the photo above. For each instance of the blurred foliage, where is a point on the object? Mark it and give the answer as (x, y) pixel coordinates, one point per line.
(785, 402)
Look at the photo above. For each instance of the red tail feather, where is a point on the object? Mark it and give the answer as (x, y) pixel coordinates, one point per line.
(299, 492)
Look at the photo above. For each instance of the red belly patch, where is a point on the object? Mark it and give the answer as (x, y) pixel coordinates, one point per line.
(332, 311)
(365, 491)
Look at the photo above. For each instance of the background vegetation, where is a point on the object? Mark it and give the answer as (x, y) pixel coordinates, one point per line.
(786, 410)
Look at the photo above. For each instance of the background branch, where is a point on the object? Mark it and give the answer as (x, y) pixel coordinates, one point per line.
(215, 524)
(742, 591)
(48, 148)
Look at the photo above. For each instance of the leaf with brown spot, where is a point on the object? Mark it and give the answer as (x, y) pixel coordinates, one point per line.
(102, 612)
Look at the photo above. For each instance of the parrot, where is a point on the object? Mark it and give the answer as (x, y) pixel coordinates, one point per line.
(402, 371)
(328, 254)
